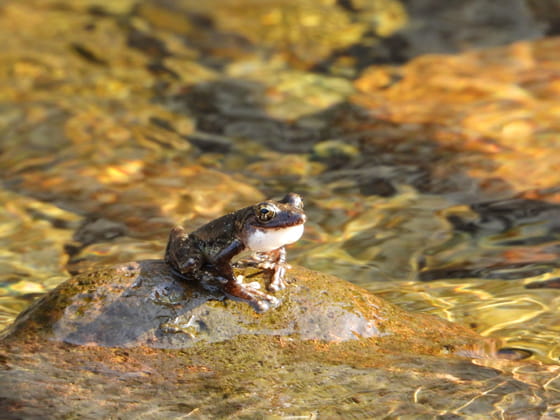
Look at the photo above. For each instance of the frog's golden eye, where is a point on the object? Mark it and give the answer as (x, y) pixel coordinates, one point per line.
(265, 212)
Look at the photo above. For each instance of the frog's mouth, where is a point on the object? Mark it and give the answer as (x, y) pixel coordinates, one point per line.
(269, 239)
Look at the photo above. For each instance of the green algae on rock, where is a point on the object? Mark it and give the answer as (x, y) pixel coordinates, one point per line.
(142, 304)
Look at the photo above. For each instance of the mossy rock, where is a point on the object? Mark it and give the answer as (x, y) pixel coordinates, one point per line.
(134, 342)
(143, 304)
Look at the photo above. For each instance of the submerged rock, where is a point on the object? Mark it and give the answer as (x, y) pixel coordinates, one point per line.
(143, 304)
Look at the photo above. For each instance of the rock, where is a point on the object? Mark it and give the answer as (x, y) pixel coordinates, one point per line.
(142, 304)
(133, 342)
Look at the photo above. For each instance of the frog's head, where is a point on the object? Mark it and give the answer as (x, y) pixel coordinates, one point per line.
(272, 224)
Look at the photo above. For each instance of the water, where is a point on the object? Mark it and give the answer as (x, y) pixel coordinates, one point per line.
(432, 183)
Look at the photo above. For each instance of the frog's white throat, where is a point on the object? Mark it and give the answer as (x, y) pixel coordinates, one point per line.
(265, 240)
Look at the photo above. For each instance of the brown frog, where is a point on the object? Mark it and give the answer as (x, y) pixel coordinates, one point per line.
(264, 228)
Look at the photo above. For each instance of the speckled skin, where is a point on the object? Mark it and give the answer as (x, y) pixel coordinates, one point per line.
(205, 254)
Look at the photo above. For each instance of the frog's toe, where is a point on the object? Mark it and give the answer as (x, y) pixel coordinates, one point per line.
(277, 286)
(254, 285)
(261, 306)
(264, 305)
(278, 282)
(275, 302)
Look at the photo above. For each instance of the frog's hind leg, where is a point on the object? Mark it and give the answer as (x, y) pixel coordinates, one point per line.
(180, 254)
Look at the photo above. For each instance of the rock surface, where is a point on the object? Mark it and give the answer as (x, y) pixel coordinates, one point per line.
(154, 347)
(143, 304)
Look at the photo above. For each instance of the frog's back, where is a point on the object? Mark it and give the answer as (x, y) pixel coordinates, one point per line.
(218, 234)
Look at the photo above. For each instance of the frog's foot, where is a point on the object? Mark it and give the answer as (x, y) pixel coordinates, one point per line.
(278, 274)
(263, 305)
(249, 293)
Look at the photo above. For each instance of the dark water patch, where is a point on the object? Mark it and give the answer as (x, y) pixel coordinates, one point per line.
(160, 69)
(462, 225)
(377, 186)
(514, 271)
(98, 11)
(547, 284)
(502, 215)
(348, 5)
(53, 220)
(162, 123)
(210, 143)
(387, 50)
(87, 54)
(512, 353)
(517, 208)
(236, 109)
(532, 241)
(148, 44)
(94, 230)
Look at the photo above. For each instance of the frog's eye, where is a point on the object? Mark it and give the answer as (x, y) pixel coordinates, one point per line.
(265, 212)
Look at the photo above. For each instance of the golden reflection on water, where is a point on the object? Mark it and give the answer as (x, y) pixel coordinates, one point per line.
(522, 318)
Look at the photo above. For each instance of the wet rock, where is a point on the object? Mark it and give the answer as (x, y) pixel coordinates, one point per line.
(142, 304)
(331, 349)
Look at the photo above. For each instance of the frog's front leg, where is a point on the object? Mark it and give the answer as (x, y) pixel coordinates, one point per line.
(274, 262)
(278, 266)
(234, 287)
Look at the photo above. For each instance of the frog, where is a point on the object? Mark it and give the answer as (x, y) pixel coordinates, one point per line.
(264, 229)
